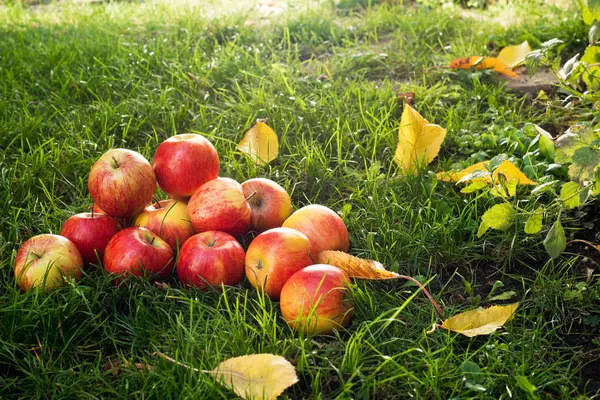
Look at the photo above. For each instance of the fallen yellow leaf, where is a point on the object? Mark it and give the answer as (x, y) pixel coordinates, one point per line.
(482, 321)
(418, 140)
(354, 266)
(256, 376)
(260, 143)
(479, 62)
(480, 172)
(513, 55)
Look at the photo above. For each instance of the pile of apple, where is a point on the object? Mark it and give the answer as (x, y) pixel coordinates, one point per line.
(130, 232)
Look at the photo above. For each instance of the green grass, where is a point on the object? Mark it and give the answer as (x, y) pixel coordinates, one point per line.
(78, 80)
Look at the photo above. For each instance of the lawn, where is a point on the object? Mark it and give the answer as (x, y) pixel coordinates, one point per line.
(77, 79)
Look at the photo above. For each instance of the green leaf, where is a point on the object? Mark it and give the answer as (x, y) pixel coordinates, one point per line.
(594, 7)
(588, 18)
(475, 186)
(585, 160)
(504, 296)
(575, 137)
(556, 241)
(535, 222)
(545, 143)
(594, 33)
(591, 75)
(483, 227)
(500, 216)
(569, 194)
(504, 189)
(527, 386)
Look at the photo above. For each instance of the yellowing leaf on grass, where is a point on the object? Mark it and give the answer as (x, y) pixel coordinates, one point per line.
(260, 143)
(506, 172)
(482, 321)
(355, 267)
(479, 62)
(419, 141)
(513, 55)
(256, 376)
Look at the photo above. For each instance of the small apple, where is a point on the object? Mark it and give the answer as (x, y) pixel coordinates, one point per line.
(90, 233)
(183, 163)
(274, 256)
(169, 219)
(270, 203)
(220, 205)
(323, 227)
(314, 299)
(44, 259)
(140, 252)
(211, 258)
(121, 183)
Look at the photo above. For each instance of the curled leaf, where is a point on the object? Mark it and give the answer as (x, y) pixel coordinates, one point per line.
(355, 267)
(479, 62)
(481, 321)
(419, 141)
(506, 172)
(256, 376)
(260, 143)
(513, 55)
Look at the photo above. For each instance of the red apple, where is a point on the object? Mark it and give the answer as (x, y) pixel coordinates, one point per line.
(138, 251)
(211, 258)
(90, 233)
(183, 163)
(274, 256)
(169, 219)
(220, 205)
(270, 203)
(43, 260)
(323, 227)
(315, 299)
(122, 183)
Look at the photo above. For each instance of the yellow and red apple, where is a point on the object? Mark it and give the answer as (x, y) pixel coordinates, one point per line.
(90, 233)
(270, 203)
(210, 259)
(323, 227)
(183, 163)
(220, 205)
(315, 299)
(122, 183)
(274, 256)
(44, 260)
(169, 219)
(140, 252)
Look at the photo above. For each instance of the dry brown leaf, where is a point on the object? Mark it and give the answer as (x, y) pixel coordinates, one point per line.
(418, 140)
(256, 376)
(482, 321)
(260, 143)
(354, 266)
(479, 62)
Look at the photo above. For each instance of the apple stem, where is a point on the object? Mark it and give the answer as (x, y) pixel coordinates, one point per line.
(157, 201)
(420, 285)
(91, 208)
(152, 241)
(117, 165)
(251, 196)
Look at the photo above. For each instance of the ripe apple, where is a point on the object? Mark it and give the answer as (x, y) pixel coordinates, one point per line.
(140, 252)
(122, 182)
(314, 299)
(270, 203)
(274, 256)
(220, 205)
(211, 258)
(169, 219)
(183, 163)
(90, 233)
(323, 227)
(44, 259)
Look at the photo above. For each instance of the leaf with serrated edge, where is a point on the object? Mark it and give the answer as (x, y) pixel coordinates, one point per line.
(355, 267)
(256, 376)
(500, 216)
(513, 55)
(535, 222)
(260, 143)
(569, 194)
(482, 321)
(419, 141)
